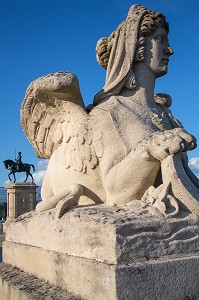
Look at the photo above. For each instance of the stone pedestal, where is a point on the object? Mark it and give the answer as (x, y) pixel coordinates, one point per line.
(21, 198)
(108, 253)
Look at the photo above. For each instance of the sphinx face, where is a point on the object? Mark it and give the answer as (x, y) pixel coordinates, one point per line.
(157, 52)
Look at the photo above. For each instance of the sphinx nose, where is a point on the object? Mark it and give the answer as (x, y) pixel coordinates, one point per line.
(169, 51)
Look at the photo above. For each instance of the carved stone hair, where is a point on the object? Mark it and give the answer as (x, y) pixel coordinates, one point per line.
(149, 23)
(103, 48)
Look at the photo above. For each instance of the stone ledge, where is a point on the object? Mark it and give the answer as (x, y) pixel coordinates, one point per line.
(113, 234)
(16, 284)
(20, 184)
(82, 277)
(173, 279)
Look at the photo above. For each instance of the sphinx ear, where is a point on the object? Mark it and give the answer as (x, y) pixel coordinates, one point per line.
(130, 81)
(140, 50)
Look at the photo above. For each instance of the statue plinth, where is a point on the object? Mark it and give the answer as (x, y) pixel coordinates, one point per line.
(21, 198)
(108, 253)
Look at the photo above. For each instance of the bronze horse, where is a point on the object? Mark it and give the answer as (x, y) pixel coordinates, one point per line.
(14, 168)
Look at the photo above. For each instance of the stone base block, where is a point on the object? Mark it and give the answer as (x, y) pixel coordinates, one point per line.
(113, 234)
(100, 253)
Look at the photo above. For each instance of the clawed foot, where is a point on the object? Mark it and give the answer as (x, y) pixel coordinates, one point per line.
(159, 145)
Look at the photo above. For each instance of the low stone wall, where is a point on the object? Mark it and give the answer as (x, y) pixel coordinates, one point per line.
(18, 285)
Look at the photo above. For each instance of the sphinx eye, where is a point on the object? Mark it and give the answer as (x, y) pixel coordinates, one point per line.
(160, 37)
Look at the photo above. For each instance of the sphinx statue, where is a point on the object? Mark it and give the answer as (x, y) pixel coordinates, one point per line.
(126, 148)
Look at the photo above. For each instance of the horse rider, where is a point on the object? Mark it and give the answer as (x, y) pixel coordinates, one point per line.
(19, 161)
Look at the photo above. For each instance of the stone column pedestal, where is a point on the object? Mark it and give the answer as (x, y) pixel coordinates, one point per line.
(21, 198)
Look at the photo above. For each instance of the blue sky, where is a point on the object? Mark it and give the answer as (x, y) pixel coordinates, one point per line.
(43, 36)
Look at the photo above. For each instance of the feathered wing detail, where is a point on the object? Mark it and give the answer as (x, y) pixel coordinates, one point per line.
(53, 113)
(80, 154)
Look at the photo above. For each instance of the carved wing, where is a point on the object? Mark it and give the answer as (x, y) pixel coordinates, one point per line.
(52, 104)
(78, 147)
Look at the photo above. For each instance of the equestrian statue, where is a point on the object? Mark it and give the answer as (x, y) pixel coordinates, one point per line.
(18, 166)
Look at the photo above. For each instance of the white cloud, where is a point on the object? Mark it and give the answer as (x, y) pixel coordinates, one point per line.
(7, 182)
(39, 175)
(194, 165)
(42, 164)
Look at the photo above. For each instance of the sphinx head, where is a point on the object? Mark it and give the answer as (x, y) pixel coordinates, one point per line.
(141, 39)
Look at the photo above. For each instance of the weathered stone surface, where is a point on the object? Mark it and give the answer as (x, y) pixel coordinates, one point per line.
(18, 285)
(83, 277)
(95, 252)
(115, 234)
(111, 252)
(164, 278)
